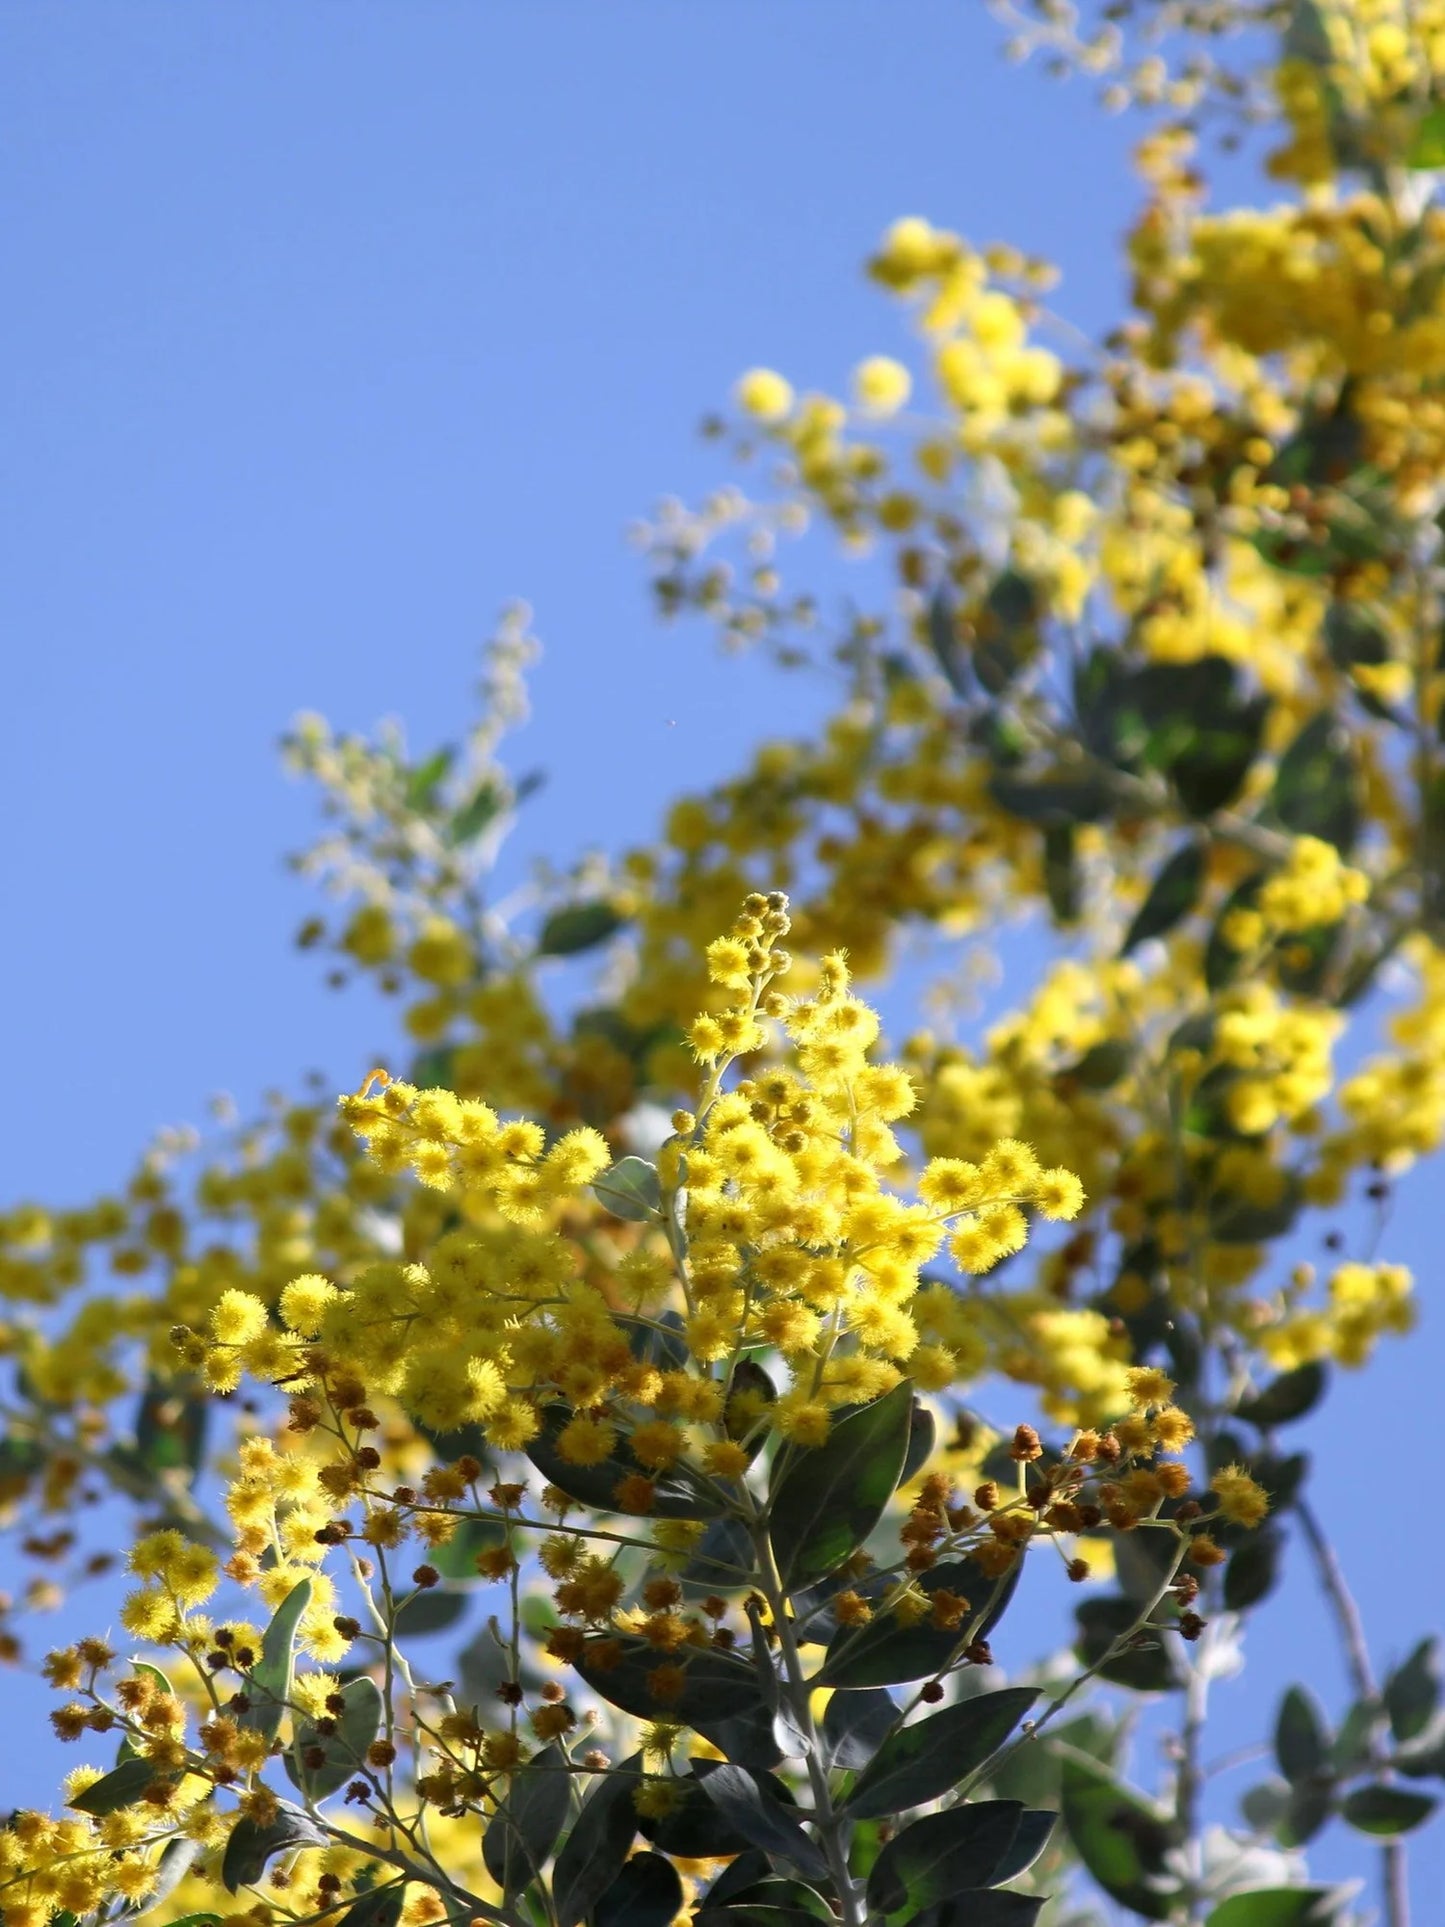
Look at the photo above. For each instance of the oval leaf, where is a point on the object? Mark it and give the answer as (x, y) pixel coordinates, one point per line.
(762, 1820)
(647, 1893)
(827, 1499)
(1121, 1838)
(630, 1190)
(1172, 895)
(594, 1851)
(523, 1832)
(943, 1854)
(1386, 1810)
(251, 1846)
(921, 1762)
(344, 1747)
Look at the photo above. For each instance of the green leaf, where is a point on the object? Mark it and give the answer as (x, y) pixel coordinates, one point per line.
(170, 1429)
(1061, 871)
(1235, 1220)
(456, 1558)
(630, 1190)
(647, 1893)
(1101, 1066)
(886, 1652)
(600, 1840)
(578, 926)
(1172, 895)
(1280, 1907)
(473, 817)
(522, 1833)
(377, 1907)
(855, 1726)
(941, 631)
(1314, 785)
(942, 1855)
(1412, 1691)
(1301, 1736)
(1253, 1570)
(716, 1684)
(353, 1730)
(120, 1788)
(1306, 1810)
(1145, 1665)
(982, 1907)
(429, 1610)
(921, 1762)
(695, 1829)
(827, 1499)
(269, 1686)
(251, 1846)
(1427, 145)
(922, 1437)
(1059, 797)
(762, 1820)
(1120, 1837)
(423, 781)
(1352, 1744)
(1386, 1810)
(1035, 1826)
(676, 1494)
(1290, 1396)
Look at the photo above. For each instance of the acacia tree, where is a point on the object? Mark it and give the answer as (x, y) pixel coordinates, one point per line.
(644, 1329)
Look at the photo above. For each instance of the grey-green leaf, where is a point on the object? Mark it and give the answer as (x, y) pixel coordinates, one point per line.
(1121, 1838)
(647, 1893)
(1412, 1692)
(921, 1762)
(353, 1731)
(377, 1907)
(1280, 1907)
(630, 1190)
(269, 1686)
(120, 1788)
(828, 1499)
(251, 1846)
(1172, 895)
(578, 926)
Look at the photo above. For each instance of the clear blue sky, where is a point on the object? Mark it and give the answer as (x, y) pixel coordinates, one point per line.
(332, 327)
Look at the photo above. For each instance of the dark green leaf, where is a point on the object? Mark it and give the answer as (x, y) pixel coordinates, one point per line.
(854, 1726)
(1301, 1735)
(982, 1908)
(942, 1854)
(1314, 785)
(747, 1806)
(647, 1893)
(1172, 895)
(694, 1829)
(576, 927)
(251, 1846)
(1353, 1742)
(885, 1652)
(676, 1495)
(474, 816)
(1412, 1691)
(942, 632)
(377, 1907)
(723, 1559)
(921, 1762)
(1056, 798)
(523, 1831)
(601, 1837)
(429, 1610)
(1235, 1220)
(269, 1685)
(827, 1499)
(1222, 962)
(1287, 1397)
(630, 1190)
(1028, 1843)
(1061, 871)
(1121, 1838)
(1386, 1810)
(1101, 1066)
(1253, 1570)
(1280, 1907)
(922, 1436)
(120, 1788)
(344, 1747)
(1306, 1810)
(716, 1685)
(1145, 1665)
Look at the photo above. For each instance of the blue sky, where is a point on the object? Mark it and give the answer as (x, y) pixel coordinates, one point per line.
(334, 327)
